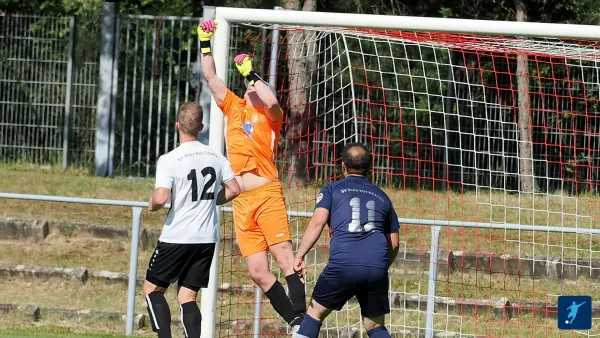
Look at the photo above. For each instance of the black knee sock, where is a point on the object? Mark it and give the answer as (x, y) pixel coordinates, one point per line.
(160, 314)
(297, 293)
(280, 301)
(191, 319)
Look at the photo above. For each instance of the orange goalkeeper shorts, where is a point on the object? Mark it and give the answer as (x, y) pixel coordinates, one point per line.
(260, 219)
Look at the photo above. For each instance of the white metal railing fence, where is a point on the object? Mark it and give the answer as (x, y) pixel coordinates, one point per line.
(137, 208)
(208, 299)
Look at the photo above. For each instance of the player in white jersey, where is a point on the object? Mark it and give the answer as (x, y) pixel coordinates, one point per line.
(190, 175)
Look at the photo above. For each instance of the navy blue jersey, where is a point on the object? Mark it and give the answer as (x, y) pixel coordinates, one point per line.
(359, 215)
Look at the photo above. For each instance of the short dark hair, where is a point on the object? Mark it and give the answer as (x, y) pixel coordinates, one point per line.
(356, 158)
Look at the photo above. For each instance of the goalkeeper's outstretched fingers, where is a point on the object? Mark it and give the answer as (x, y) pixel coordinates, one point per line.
(243, 63)
(206, 29)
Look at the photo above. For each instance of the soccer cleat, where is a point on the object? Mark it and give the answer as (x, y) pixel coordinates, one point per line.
(295, 324)
(297, 321)
(295, 329)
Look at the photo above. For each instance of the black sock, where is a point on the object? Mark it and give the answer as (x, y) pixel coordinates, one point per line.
(297, 293)
(191, 319)
(160, 314)
(280, 301)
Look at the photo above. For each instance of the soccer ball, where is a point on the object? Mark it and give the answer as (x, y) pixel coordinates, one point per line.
(566, 322)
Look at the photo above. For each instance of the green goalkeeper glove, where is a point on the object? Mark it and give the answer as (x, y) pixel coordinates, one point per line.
(206, 29)
(244, 65)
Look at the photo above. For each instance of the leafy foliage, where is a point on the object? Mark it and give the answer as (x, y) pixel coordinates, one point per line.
(565, 11)
(547, 77)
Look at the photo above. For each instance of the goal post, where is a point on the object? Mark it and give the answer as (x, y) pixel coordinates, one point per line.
(208, 299)
(354, 101)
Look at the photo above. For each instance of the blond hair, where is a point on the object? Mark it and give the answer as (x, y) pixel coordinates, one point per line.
(190, 118)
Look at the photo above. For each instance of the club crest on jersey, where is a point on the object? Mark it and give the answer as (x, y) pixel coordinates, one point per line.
(320, 197)
(248, 126)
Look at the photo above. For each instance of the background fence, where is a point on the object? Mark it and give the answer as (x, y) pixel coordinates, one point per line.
(157, 73)
(47, 100)
(49, 89)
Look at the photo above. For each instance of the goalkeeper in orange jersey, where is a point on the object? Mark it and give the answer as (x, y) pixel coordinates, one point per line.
(253, 125)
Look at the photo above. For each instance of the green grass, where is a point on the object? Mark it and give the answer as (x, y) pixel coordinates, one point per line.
(60, 251)
(482, 206)
(479, 206)
(50, 334)
(104, 296)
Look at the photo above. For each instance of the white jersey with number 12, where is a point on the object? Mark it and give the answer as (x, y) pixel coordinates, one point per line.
(194, 173)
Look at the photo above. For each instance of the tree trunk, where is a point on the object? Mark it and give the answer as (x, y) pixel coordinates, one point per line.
(525, 152)
(299, 68)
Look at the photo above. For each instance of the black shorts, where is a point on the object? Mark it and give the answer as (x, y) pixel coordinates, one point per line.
(188, 263)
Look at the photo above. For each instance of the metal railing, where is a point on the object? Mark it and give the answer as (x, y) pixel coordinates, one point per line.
(436, 226)
(137, 208)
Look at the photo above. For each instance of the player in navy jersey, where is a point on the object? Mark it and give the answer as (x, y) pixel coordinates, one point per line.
(364, 243)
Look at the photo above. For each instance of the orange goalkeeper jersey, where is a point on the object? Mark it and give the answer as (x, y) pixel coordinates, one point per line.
(250, 136)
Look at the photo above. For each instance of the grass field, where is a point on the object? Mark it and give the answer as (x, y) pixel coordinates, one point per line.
(50, 334)
(475, 206)
(75, 183)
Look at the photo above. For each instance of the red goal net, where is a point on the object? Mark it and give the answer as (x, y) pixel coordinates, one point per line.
(467, 132)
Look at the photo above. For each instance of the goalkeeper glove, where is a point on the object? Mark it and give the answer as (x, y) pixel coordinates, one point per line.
(206, 29)
(244, 65)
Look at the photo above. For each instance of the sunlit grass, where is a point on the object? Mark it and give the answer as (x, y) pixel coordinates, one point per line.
(472, 206)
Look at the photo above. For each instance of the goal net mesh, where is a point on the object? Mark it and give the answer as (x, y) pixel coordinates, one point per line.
(460, 132)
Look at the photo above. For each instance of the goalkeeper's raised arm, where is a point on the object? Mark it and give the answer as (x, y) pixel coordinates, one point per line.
(253, 128)
(206, 29)
(257, 90)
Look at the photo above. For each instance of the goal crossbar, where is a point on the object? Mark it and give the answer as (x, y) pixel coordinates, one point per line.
(408, 23)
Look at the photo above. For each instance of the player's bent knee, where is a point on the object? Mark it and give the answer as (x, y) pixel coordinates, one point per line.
(258, 271)
(373, 323)
(263, 278)
(317, 311)
(258, 267)
(187, 294)
(150, 287)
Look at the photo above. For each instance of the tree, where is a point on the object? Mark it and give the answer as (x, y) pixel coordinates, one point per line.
(299, 84)
(526, 177)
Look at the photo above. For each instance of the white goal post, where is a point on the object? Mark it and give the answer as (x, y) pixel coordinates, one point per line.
(221, 46)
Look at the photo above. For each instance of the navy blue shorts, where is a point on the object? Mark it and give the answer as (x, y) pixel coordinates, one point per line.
(337, 284)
